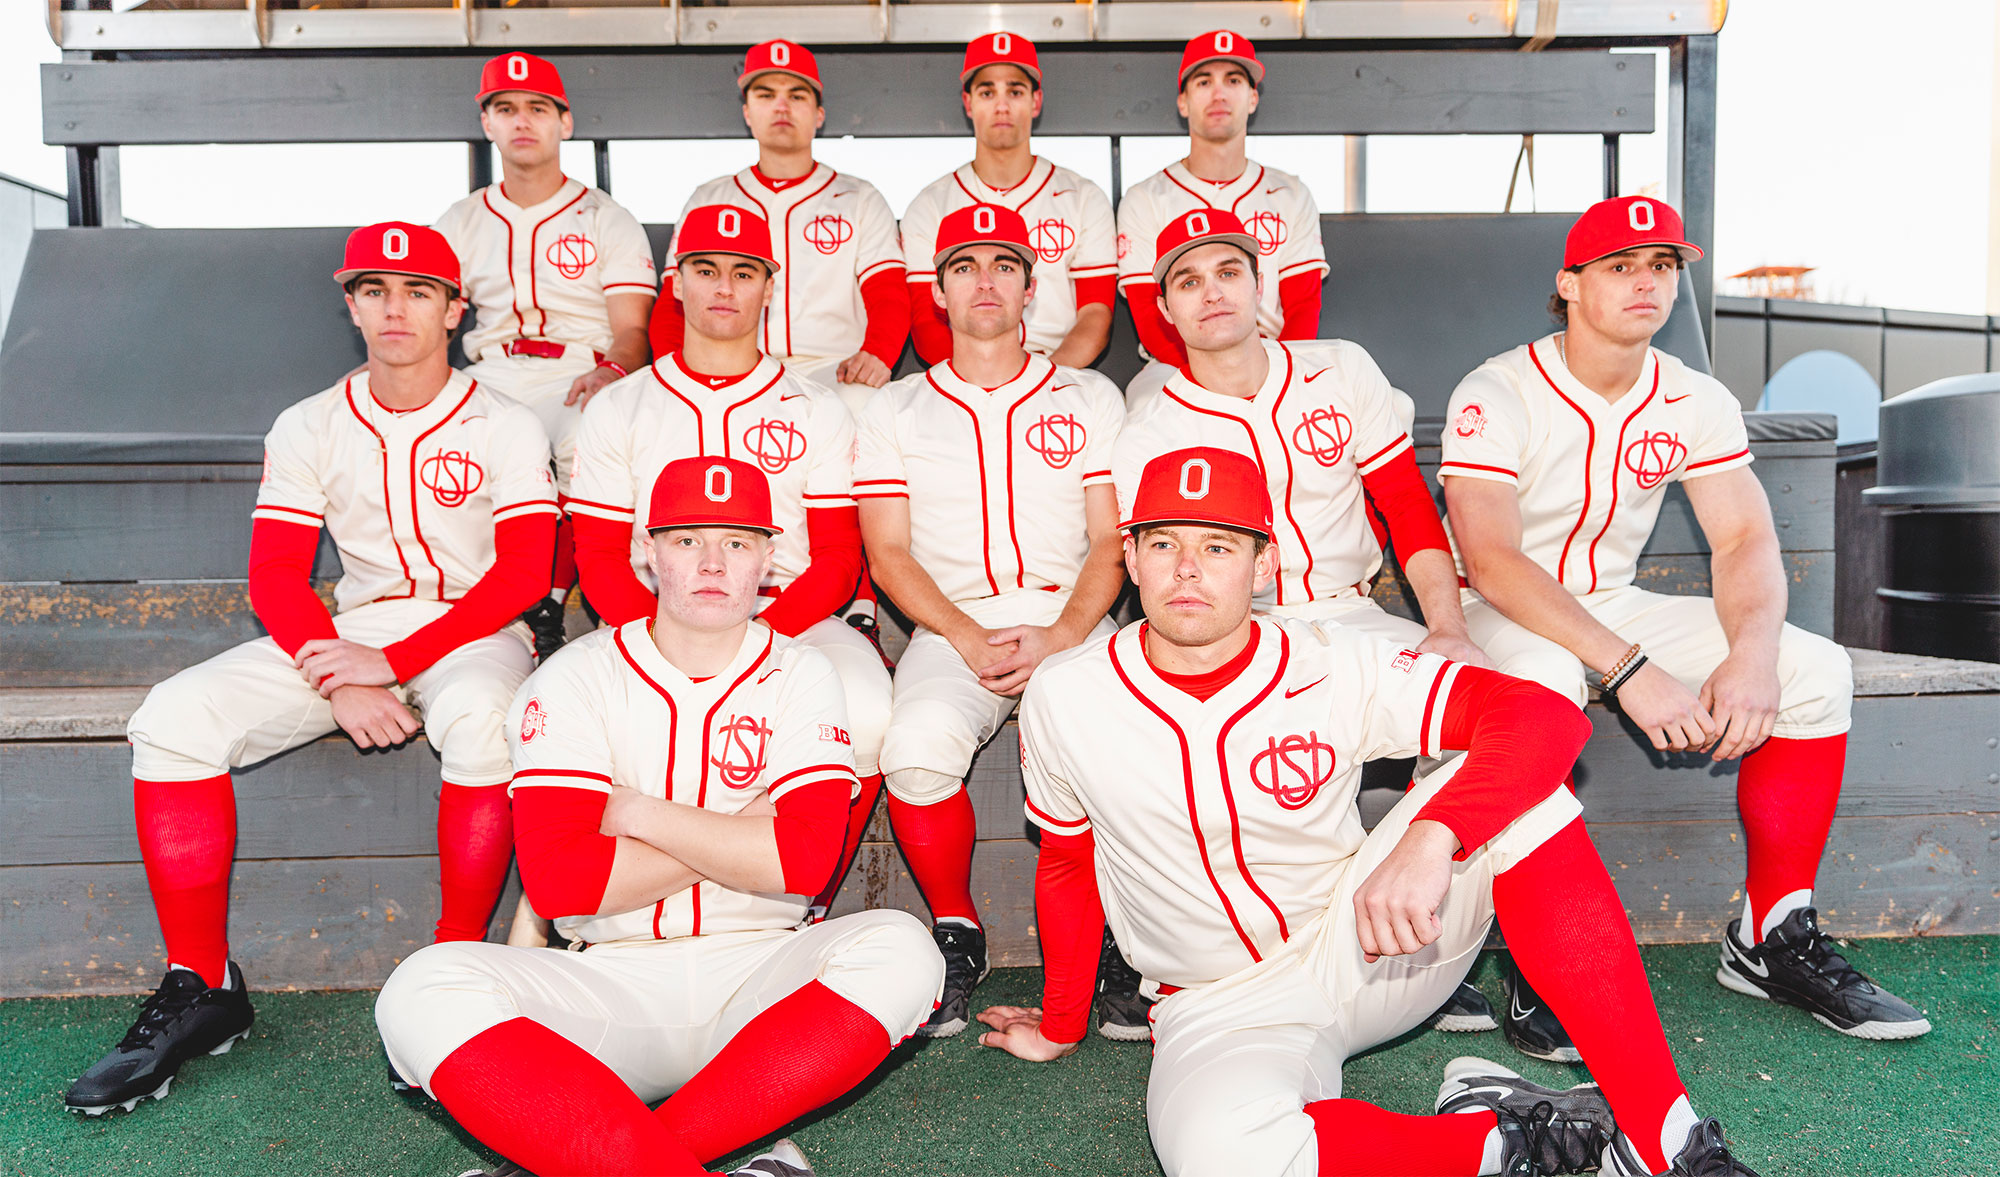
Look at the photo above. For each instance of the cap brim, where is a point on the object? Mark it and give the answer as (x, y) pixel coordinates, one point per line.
(1131, 525)
(749, 76)
(1242, 241)
(1689, 251)
(732, 524)
(343, 277)
(558, 99)
(1034, 72)
(772, 263)
(1014, 247)
(1250, 65)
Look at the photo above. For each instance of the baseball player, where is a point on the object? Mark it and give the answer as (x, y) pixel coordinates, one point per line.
(720, 395)
(1069, 218)
(1220, 81)
(837, 312)
(1194, 777)
(437, 493)
(680, 786)
(560, 278)
(1557, 455)
(989, 518)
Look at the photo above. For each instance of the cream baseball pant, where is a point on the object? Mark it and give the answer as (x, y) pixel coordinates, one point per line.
(1235, 1062)
(865, 681)
(542, 385)
(940, 716)
(821, 372)
(1683, 636)
(657, 1011)
(250, 703)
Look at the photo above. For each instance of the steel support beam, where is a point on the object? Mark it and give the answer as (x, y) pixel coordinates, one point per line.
(1691, 75)
(478, 165)
(94, 190)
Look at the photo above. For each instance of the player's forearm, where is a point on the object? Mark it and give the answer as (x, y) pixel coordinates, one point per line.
(898, 575)
(1086, 340)
(570, 867)
(1097, 588)
(524, 554)
(731, 849)
(1528, 595)
(604, 569)
(1070, 915)
(1520, 739)
(829, 579)
(642, 875)
(630, 349)
(1748, 580)
(1434, 578)
(280, 586)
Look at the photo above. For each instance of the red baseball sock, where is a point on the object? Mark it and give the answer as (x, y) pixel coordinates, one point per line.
(858, 814)
(1358, 1139)
(1570, 937)
(802, 1053)
(937, 841)
(1786, 791)
(475, 844)
(547, 1104)
(187, 836)
(563, 575)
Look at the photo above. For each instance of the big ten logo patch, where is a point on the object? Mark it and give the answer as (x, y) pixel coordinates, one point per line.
(1653, 457)
(827, 233)
(1470, 422)
(1323, 434)
(1293, 769)
(834, 735)
(1269, 230)
(1051, 238)
(534, 721)
(775, 444)
(1058, 437)
(451, 476)
(571, 254)
(1405, 661)
(741, 743)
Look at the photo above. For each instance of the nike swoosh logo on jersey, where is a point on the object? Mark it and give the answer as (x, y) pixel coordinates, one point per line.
(1309, 686)
(472, 418)
(1269, 191)
(1674, 400)
(1318, 374)
(1061, 192)
(768, 674)
(791, 396)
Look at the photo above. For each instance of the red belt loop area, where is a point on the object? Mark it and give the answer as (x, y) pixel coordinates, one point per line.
(544, 349)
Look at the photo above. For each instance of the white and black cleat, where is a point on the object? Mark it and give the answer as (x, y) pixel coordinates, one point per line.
(784, 1160)
(1704, 1155)
(965, 966)
(182, 1020)
(1542, 1130)
(1466, 1013)
(1797, 964)
(1530, 1026)
(504, 1168)
(1123, 1013)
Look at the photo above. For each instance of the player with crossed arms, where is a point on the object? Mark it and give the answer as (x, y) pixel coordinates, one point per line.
(989, 518)
(559, 275)
(1069, 218)
(1194, 776)
(837, 312)
(436, 491)
(680, 786)
(720, 395)
(1221, 81)
(1557, 456)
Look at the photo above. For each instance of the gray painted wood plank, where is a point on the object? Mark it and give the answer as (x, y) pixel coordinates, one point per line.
(67, 713)
(1882, 672)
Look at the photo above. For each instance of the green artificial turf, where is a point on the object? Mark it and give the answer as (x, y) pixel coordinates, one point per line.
(306, 1093)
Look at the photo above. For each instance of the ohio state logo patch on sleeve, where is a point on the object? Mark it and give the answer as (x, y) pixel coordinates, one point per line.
(534, 721)
(1470, 422)
(834, 735)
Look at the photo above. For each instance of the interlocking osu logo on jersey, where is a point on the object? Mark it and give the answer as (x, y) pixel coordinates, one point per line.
(1323, 434)
(1653, 457)
(534, 721)
(1058, 437)
(742, 743)
(1294, 769)
(775, 444)
(1470, 422)
(452, 476)
(827, 232)
(1269, 230)
(571, 254)
(1051, 238)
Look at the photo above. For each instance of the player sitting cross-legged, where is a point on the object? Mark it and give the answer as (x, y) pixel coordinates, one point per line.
(1194, 776)
(680, 786)
(437, 494)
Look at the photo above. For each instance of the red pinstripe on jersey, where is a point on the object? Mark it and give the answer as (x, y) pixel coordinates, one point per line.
(1229, 795)
(1589, 454)
(673, 737)
(1615, 451)
(785, 249)
(1742, 453)
(416, 516)
(708, 729)
(979, 442)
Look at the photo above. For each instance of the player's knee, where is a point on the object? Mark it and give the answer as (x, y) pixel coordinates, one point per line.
(1217, 1133)
(1555, 668)
(921, 786)
(174, 733)
(1818, 686)
(466, 722)
(891, 968)
(431, 989)
(928, 734)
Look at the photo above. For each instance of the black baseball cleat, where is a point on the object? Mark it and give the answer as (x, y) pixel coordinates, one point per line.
(965, 965)
(183, 1019)
(545, 619)
(503, 1169)
(1797, 964)
(1531, 1028)
(1466, 1013)
(1704, 1155)
(784, 1160)
(1122, 1014)
(1542, 1130)
(396, 1080)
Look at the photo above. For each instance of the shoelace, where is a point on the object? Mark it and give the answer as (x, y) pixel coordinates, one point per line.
(1553, 1144)
(162, 1007)
(1706, 1155)
(1817, 953)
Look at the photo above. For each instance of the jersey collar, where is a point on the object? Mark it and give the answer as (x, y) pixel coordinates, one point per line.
(752, 182)
(635, 641)
(669, 371)
(568, 191)
(1014, 197)
(1212, 194)
(1545, 355)
(1258, 681)
(382, 420)
(1182, 387)
(1032, 376)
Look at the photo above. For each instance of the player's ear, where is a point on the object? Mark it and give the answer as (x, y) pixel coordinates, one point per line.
(937, 292)
(353, 312)
(1036, 110)
(1267, 568)
(568, 123)
(486, 123)
(819, 116)
(1181, 103)
(1130, 543)
(678, 296)
(1567, 284)
(1255, 94)
(1028, 295)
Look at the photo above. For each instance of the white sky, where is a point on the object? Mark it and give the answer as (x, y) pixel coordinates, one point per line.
(1849, 139)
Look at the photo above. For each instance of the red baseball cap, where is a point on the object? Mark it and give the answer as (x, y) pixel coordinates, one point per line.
(1000, 49)
(398, 247)
(711, 492)
(1221, 45)
(781, 57)
(1203, 226)
(724, 228)
(522, 71)
(1626, 222)
(983, 224)
(1202, 485)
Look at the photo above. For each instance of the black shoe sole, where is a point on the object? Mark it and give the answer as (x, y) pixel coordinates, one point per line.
(159, 1092)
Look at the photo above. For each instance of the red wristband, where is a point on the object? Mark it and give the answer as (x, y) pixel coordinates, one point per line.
(614, 365)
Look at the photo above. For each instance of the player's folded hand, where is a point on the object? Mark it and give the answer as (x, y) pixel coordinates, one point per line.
(1018, 1031)
(373, 716)
(1032, 643)
(1395, 908)
(975, 645)
(332, 663)
(862, 368)
(1457, 647)
(1742, 696)
(588, 385)
(1670, 714)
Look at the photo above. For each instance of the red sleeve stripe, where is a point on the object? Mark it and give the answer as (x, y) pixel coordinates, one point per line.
(1313, 264)
(1434, 708)
(1442, 466)
(844, 783)
(846, 498)
(1397, 446)
(531, 507)
(893, 264)
(1134, 279)
(1053, 823)
(1742, 453)
(614, 514)
(883, 494)
(648, 286)
(836, 769)
(595, 782)
(1093, 271)
(1097, 474)
(920, 275)
(264, 507)
(572, 500)
(881, 482)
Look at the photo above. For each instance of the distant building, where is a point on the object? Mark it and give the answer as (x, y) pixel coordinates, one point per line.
(1774, 282)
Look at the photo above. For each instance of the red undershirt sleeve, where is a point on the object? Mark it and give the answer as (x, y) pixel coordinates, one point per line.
(886, 301)
(1398, 491)
(829, 579)
(929, 329)
(604, 567)
(1156, 335)
(1070, 915)
(1101, 289)
(565, 861)
(524, 552)
(810, 828)
(281, 592)
(1520, 738)
(1299, 298)
(667, 328)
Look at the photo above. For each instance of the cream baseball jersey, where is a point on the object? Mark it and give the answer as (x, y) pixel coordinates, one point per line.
(796, 432)
(410, 498)
(1275, 206)
(1069, 226)
(543, 272)
(611, 710)
(995, 479)
(831, 233)
(1324, 419)
(1590, 473)
(1222, 827)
